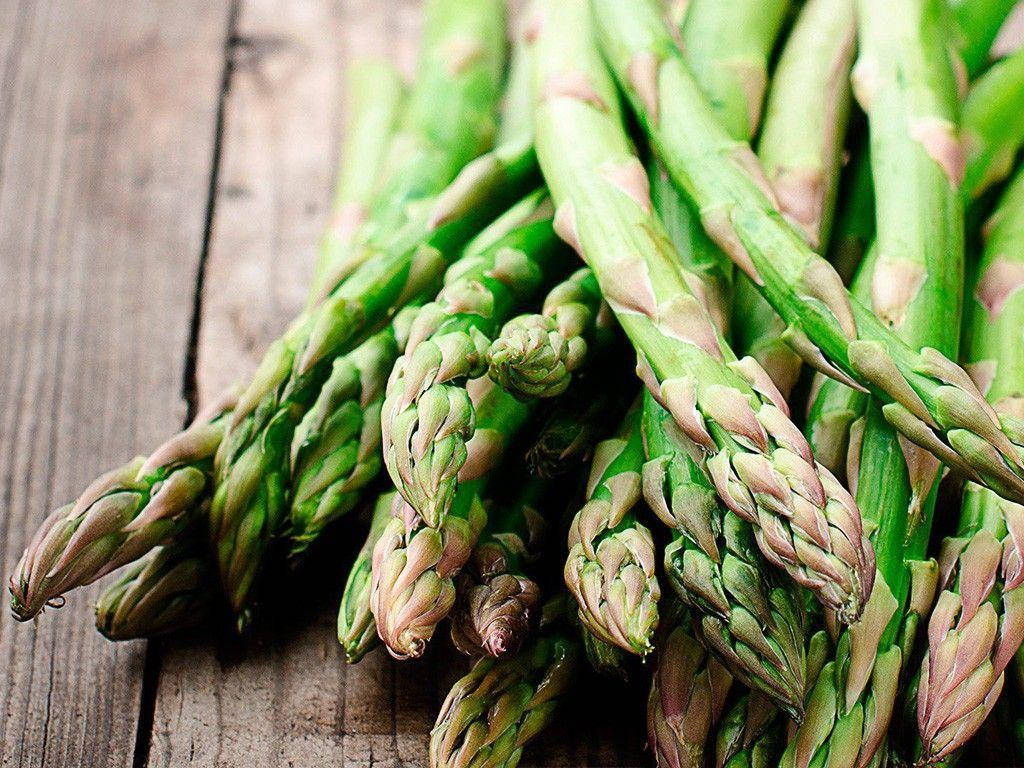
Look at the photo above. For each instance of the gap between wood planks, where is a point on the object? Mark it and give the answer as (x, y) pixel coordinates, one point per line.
(151, 666)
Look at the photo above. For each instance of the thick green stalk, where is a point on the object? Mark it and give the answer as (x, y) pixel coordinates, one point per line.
(800, 148)
(414, 564)
(978, 621)
(497, 596)
(929, 399)
(121, 516)
(428, 420)
(978, 22)
(760, 465)
(169, 589)
(373, 98)
(501, 705)
(915, 279)
(752, 734)
(854, 228)
(336, 449)
(610, 569)
(357, 632)
(459, 81)
(993, 126)
(688, 693)
(535, 355)
(743, 611)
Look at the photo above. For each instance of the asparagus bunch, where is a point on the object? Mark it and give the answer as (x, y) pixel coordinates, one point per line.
(977, 624)
(927, 397)
(428, 420)
(761, 466)
(121, 516)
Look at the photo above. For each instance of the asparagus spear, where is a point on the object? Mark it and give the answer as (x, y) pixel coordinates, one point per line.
(978, 621)
(760, 464)
(374, 93)
(688, 693)
(930, 399)
(496, 596)
(755, 624)
(752, 734)
(535, 355)
(800, 147)
(854, 228)
(121, 516)
(502, 704)
(336, 449)
(452, 103)
(611, 562)
(915, 278)
(414, 564)
(427, 419)
(978, 22)
(169, 589)
(356, 631)
(606, 659)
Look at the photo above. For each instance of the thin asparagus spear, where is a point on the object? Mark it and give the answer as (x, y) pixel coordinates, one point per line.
(501, 705)
(688, 693)
(356, 631)
(169, 589)
(978, 621)
(336, 449)
(752, 734)
(760, 464)
(427, 420)
(121, 516)
(453, 103)
(610, 569)
(800, 147)
(414, 564)
(978, 22)
(915, 279)
(930, 399)
(374, 95)
(496, 595)
(535, 355)
(743, 612)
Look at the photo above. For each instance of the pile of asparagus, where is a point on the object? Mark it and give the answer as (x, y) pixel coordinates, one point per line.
(794, 220)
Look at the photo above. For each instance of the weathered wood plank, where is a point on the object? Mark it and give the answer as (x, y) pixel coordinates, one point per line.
(107, 130)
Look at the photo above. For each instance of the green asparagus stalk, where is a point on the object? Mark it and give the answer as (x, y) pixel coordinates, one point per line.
(357, 632)
(501, 705)
(414, 564)
(606, 659)
(610, 569)
(169, 589)
(929, 399)
(374, 95)
(752, 734)
(760, 464)
(427, 420)
(914, 280)
(800, 148)
(535, 355)
(452, 103)
(978, 621)
(336, 449)
(497, 597)
(978, 22)
(743, 613)
(854, 228)
(121, 516)
(688, 693)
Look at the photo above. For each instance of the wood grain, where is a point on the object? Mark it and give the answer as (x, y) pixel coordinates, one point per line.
(107, 131)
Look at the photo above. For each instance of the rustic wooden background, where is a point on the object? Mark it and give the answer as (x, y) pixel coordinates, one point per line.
(164, 172)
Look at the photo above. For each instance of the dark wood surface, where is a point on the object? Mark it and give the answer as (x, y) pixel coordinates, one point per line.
(165, 169)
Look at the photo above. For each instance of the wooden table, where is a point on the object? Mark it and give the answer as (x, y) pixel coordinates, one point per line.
(164, 173)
